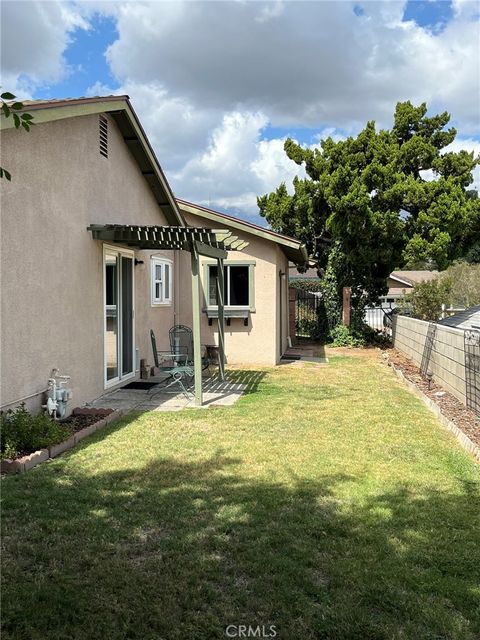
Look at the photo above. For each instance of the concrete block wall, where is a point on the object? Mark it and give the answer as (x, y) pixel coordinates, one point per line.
(447, 357)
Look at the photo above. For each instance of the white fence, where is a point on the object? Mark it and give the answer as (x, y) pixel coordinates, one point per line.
(437, 346)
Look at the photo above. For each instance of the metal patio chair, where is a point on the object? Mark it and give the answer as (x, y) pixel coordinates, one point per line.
(181, 341)
(175, 364)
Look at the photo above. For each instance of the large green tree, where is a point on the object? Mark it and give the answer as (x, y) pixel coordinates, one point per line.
(366, 207)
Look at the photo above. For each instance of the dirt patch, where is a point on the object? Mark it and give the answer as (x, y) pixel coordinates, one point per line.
(84, 417)
(451, 408)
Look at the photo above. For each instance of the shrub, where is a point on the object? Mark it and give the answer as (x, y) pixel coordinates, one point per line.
(306, 284)
(343, 336)
(22, 432)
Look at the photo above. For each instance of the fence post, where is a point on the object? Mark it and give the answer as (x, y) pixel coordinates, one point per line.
(346, 306)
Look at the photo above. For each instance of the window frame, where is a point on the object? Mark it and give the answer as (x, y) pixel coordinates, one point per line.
(163, 301)
(251, 285)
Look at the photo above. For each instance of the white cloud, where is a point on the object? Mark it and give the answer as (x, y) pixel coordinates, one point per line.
(206, 78)
(303, 64)
(237, 166)
(34, 38)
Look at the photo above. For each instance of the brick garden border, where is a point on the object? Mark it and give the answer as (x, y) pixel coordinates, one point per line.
(462, 438)
(20, 465)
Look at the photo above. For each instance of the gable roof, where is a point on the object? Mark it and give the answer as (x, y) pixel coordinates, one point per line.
(293, 249)
(121, 110)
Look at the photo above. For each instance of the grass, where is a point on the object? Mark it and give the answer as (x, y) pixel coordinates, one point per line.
(328, 502)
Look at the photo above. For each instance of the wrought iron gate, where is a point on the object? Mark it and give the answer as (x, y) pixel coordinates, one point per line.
(472, 369)
(307, 314)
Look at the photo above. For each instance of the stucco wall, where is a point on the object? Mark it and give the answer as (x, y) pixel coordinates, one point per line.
(51, 268)
(259, 343)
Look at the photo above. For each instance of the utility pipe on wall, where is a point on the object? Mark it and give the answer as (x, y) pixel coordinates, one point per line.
(18, 400)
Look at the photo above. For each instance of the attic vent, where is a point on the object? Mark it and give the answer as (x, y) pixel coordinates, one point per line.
(103, 136)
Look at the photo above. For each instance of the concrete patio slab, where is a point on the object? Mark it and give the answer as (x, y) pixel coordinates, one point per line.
(215, 394)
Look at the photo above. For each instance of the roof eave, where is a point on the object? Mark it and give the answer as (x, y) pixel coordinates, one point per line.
(293, 249)
(59, 110)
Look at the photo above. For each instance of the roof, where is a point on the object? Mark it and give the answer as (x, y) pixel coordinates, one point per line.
(294, 249)
(121, 110)
(309, 274)
(466, 319)
(412, 278)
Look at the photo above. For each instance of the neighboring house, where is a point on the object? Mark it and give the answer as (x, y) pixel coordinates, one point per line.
(401, 282)
(81, 295)
(310, 275)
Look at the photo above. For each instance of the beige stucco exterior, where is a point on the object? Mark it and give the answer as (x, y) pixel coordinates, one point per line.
(259, 342)
(52, 270)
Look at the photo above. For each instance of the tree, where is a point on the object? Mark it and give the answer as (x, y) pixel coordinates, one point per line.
(9, 107)
(463, 282)
(426, 300)
(365, 207)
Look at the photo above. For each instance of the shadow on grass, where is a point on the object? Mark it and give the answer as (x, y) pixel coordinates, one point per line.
(250, 378)
(180, 551)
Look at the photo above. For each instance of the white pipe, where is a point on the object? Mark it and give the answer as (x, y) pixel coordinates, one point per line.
(37, 393)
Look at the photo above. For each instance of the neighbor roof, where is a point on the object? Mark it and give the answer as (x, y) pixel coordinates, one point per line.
(309, 274)
(413, 277)
(121, 110)
(466, 319)
(293, 249)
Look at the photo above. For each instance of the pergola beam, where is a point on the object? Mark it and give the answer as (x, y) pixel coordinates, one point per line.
(209, 251)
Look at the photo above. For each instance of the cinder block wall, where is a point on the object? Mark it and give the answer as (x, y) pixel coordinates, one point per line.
(447, 358)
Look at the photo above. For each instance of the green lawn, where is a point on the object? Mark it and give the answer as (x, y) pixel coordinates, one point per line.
(328, 502)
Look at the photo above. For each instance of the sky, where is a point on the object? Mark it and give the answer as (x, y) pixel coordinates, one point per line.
(219, 85)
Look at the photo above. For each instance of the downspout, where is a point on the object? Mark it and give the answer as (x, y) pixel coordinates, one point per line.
(281, 274)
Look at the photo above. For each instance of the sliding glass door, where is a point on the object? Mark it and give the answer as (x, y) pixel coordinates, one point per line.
(118, 315)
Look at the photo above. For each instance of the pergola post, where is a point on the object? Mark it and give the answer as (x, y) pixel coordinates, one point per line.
(197, 347)
(221, 318)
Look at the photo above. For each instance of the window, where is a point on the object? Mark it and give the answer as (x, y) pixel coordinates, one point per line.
(161, 270)
(238, 285)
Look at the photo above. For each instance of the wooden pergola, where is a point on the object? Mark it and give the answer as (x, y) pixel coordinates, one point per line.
(211, 243)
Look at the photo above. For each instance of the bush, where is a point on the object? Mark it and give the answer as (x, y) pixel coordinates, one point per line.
(306, 284)
(343, 336)
(22, 432)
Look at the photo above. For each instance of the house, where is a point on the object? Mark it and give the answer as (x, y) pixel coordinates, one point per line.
(401, 282)
(96, 251)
